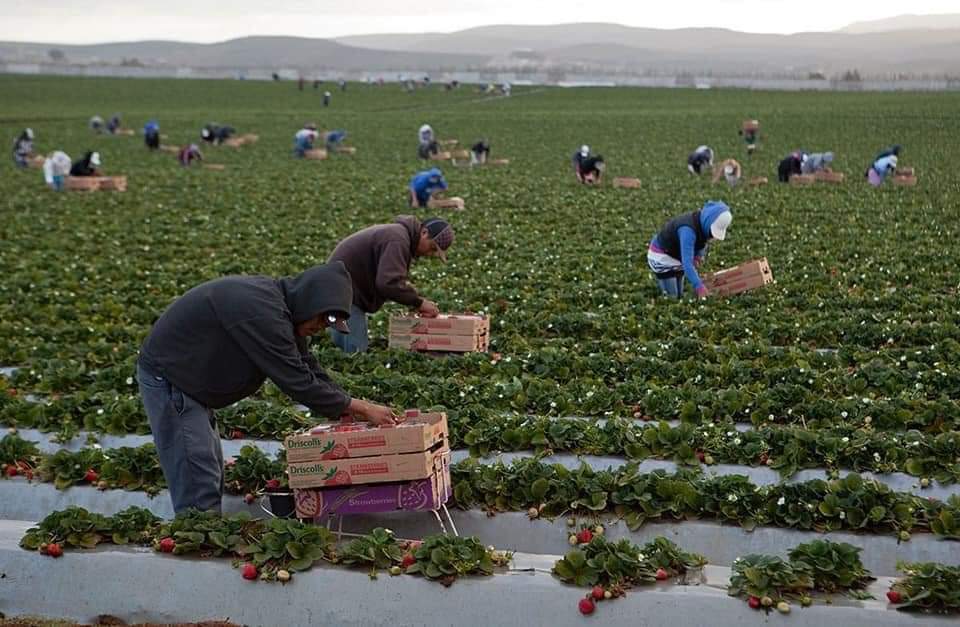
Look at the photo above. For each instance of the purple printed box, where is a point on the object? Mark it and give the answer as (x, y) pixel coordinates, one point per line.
(417, 495)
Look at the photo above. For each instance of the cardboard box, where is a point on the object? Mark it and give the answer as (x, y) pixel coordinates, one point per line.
(742, 278)
(827, 176)
(802, 179)
(420, 432)
(905, 172)
(904, 180)
(630, 183)
(442, 156)
(758, 180)
(417, 495)
(113, 183)
(361, 470)
(454, 202)
(444, 324)
(83, 183)
(447, 343)
(460, 154)
(317, 154)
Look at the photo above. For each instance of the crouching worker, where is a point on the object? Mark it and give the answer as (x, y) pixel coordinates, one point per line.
(151, 134)
(817, 162)
(700, 159)
(188, 154)
(681, 246)
(333, 140)
(216, 344)
(587, 167)
(88, 166)
(378, 259)
(56, 168)
(424, 185)
(883, 165)
(23, 148)
(730, 170)
(304, 139)
(216, 134)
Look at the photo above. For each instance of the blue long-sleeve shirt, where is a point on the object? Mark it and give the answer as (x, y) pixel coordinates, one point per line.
(688, 255)
(425, 184)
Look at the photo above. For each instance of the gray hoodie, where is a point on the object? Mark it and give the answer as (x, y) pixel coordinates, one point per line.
(816, 162)
(222, 339)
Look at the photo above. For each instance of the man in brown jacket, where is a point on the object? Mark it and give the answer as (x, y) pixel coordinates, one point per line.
(378, 259)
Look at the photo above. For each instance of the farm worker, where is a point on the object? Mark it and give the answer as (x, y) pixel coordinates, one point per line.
(303, 140)
(587, 167)
(151, 134)
(96, 124)
(424, 185)
(216, 134)
(88, 166)
(884, 165)
(790, 165)
(428, 145)
(23, 148)
(730, 170)
(56, 167)
(700, 159)
(479, 152)
(506, 89)
(188, 154)
(114, 124)
(681, 246)
(333, 139)
(378, 259)
(326, 98)
(216, 344)
(425, 134)
(751, 135)
(817, 162)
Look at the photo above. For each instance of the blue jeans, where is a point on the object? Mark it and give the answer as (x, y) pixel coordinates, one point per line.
(357, 341)
(187, 441)
(671, 286)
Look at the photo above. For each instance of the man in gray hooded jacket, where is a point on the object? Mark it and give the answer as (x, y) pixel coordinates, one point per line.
(216, 345)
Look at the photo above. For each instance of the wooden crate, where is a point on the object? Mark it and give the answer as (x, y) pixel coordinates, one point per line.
(460, 154)
(454, 202)
(214, 166)
(448, 142)
(113, 183)
(758, 180)
(498, 161)
(904, 180)
(747, 276)
(316, 154)
(36, 161)
(750, 125)
(828, 176)
(802, 179)
(82, 183)
(442, 156)
(905, 172)
(347, 150)
(626, 182)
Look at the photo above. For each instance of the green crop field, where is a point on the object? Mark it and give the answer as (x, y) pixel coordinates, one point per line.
(849, 362)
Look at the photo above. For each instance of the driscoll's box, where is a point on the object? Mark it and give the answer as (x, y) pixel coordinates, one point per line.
(420, 432)
(355, 470)
(444, 324)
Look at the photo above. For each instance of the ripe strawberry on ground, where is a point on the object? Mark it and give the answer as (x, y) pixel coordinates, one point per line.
(587, 606)
(236, 434)
(662, 574)
(701, 456)
(167, 545)
(248, 498)
(584, 536)
(54, 550)
(249, 571)
(754, 603)
(91, 476)
(597, 592)
(11, 471)
(408, 560)
(894, 596)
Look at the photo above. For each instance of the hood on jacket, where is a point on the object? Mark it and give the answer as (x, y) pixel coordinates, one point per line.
(413, 225)
(319, 290)
(710, 216)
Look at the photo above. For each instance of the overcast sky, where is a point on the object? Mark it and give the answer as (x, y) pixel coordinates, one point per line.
(93, 21)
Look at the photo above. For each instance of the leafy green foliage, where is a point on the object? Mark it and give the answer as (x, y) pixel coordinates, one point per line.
(379, 549)
(251, 469)
(290, 545)
(444, 558)
(929, 587)
(76, 527)
(769, 576)
(834, 566)
(623, 564)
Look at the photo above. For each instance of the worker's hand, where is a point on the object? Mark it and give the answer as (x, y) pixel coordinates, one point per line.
(697, 262)
(379, 415)
(702, 291)
(428, 309)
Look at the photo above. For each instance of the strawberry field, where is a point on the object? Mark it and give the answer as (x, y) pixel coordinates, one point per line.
(824, 407)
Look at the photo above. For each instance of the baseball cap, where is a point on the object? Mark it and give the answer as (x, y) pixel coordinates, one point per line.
(584, 150)
(719, 227)
(337, 320)
(441, 233)
(95, 158)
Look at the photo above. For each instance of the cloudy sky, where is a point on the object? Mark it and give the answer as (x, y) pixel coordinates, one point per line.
(91, 21)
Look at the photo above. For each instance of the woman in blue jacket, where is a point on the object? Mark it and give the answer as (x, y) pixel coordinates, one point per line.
(424, 185)
(681, 246)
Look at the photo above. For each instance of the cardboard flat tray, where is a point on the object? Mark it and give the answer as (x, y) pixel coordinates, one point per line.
(362, 470)
(631, 183)
(904, 180)
(113, 183)
(317, 154)
(444, 324)
(444, 343)
(739, 272)
(802, 179)
(830, 177)
(460, 154)
(420, 432)
(417, 495)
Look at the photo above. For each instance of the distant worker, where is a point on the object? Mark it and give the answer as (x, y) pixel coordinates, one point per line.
(751, 135)
(333, 139)
(326, 98)
(304, 140)
(587, 167)
(480, 152)
(23, 148)
(216, 134)
(96, 124)
(505, 88)
(791, 165)
(151, 134)
(114, 124)
(378, 259)
(424, 185)
(428, 146)
(343, 85)
(88, 166)
(700, 159)
(188, 154)
(817, 162)
(884, 164)
(56, 168)
(730, 170)
(680, 247)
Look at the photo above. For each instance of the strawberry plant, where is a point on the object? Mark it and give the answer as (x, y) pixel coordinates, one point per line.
(379, 550)
(927, 587)
(65, 468)
(210, 534)
(18, 457)
(834, 566)
(288, 545)
(76, 527)
(769, 577)
(252, 470)
(443, 558)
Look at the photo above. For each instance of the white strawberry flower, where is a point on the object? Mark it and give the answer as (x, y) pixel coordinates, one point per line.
(781, 501)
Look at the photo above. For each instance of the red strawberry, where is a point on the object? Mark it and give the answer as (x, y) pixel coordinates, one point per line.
(597, 592)
(54, 550)
(584, 536)
(11, 471)
(662, 574)
(587, 606)
(701, 456)
(894, 596)
(408, 560)
(12, 391)
(273, 484)
(91, 476)
(249, 498)
(249, 571)
(167, 545)
(754, 603)
(236, 434)
(763, 458)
